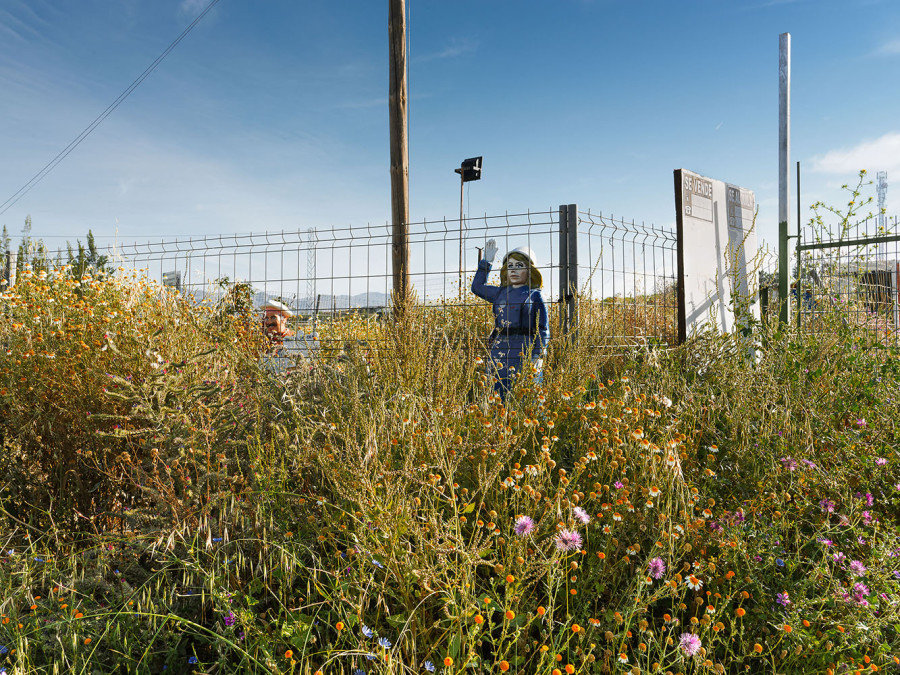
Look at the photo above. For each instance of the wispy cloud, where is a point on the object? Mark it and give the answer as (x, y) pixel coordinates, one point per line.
(890, 48)
(189, 9)
(762, 4)
(880, 154)
(454, 49)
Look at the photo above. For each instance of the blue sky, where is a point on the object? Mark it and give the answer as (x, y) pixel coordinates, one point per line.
(273, 114)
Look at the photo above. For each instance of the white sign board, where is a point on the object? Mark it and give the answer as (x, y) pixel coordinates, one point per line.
(716, 252)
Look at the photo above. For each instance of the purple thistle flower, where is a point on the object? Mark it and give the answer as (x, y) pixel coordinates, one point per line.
(881, 461)
(581, 515)
(690, 644)
(788, 463)
(869, 499)
(827, 505)
(657, 568)
(229, 619)
(524, 525)
(783, 599)
(857, 568)
(838, 557)
(568, 540)
(618, 485)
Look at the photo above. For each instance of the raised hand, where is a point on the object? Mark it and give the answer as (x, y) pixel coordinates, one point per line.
(490, 250)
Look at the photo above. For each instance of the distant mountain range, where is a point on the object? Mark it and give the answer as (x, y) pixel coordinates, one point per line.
(326, 302)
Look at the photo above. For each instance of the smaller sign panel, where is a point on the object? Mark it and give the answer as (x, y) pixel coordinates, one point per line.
(741, 205)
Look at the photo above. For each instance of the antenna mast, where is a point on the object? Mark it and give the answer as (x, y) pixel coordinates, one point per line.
(881, 188)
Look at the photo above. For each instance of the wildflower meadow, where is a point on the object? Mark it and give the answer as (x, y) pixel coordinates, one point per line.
(170, 505)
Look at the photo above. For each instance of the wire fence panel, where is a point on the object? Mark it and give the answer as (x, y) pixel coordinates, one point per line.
(629, 274)
(338, 281)
(851, 272)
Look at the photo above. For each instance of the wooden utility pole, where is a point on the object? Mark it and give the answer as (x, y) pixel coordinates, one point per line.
(397, 99)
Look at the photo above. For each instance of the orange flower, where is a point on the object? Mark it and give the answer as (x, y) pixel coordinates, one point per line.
(504, 666)
(479, 619)
(556, 671)
(448, 662)
(78, 615)
(805, 623)
(575, 628)
(840, 628)
(570, 668)
(510, 615)
(740, 611)
(510, 578)
(541, 611)
(339, 625)
(757, 648)
(288, 654)
(87, 641)
(787, 628)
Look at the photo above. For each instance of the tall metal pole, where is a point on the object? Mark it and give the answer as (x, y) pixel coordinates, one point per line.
(797, 253)
(784, 161)
(397, 100)
(462, 186)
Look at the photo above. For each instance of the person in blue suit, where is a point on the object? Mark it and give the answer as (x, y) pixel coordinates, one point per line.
(521, 328)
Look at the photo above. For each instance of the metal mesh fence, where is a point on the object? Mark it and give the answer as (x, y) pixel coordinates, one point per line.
(849, 273)
(338, 281)
(628, 276)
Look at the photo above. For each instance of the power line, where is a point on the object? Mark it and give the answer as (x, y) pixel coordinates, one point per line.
(40, 175)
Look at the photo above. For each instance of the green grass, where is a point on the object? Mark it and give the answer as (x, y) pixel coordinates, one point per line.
(165, 499)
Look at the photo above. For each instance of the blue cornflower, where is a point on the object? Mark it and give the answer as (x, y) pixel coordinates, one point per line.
(359, 671)
(217, 538)
(192, 660)
(377, 564)
(3, 649)
(779, 562)
(39, 559)
(368, 632)
(429, 666)
(384, 642)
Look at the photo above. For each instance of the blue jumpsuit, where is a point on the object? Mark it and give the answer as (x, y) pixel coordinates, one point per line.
(520, 325)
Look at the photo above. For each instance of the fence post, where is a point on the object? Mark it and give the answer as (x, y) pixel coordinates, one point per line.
(568, 267)
(572, 267)
(563, 267)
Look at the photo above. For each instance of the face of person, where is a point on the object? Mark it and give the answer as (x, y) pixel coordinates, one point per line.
(274, 322)
(516, 272)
